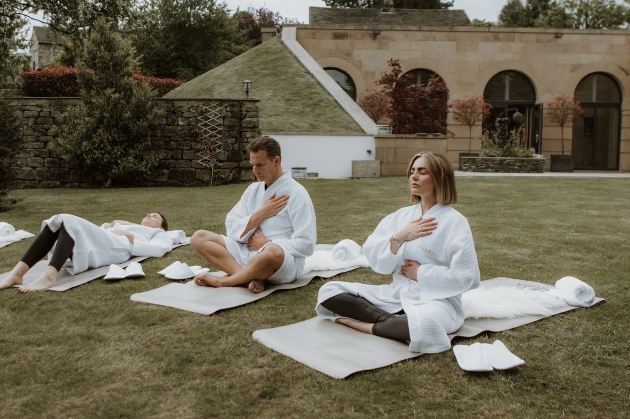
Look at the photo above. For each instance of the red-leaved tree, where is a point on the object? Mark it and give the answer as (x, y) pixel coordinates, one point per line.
(469, 112)
(414, 108)
(375, 105)
(561, 110)
(253, 20)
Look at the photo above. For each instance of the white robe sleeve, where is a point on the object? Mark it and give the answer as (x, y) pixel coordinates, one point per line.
(159, 244)
(238, 218)
(436, 282)
(377, 246)
(301, 213)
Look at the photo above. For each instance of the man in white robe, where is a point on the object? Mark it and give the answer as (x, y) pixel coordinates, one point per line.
(269, 232)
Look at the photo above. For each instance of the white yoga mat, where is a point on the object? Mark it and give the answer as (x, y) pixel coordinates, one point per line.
(65, 281)
(208, 300)
(339, 351)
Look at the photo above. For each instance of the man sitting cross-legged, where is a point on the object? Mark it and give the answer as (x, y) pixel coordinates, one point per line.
(270, 231)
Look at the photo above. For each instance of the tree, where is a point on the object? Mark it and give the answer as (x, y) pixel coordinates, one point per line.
(595, 14)
(253, 20)
(414, 108)
(514, 15)
(12, 39)
(108, 134)
(561, 111)
(10, 145)
(399, 4)
(375, 105)
(184, 38)
(470, 111)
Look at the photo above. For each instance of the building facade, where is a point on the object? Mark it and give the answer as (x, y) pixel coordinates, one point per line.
(512, 68)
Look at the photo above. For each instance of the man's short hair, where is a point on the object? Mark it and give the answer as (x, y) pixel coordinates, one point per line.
(266, 143)
(443, 176)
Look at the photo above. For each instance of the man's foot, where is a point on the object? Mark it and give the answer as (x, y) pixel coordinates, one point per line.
(46, 280)
(15, 277)
(356, 325)
(256, 286)
(207, 280)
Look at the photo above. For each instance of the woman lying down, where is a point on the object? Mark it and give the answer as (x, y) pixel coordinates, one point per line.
(88, 246)
(430, 247)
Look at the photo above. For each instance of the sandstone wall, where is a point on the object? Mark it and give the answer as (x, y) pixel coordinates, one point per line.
(230, 123)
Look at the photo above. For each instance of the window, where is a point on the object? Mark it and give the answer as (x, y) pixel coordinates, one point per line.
(344, 81)
(509, 86)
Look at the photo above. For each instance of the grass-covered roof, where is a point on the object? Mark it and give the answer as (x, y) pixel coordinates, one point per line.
(291, 99)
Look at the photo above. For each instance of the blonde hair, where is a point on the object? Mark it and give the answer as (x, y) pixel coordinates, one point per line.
(443, 177)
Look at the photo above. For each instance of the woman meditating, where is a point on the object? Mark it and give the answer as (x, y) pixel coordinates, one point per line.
(88, 246)
(430, 247)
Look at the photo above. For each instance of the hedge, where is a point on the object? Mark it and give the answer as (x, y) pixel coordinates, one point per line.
(62, 82)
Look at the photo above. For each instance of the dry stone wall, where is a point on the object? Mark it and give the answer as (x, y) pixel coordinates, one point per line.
(502, 164)
(203, 142)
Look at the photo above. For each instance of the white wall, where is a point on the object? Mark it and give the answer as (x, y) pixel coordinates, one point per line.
(328, 155)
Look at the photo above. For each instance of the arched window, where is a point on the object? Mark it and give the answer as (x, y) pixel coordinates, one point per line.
(597, 132)
(344, 81)
(423, 75)
(507, 92)
(509, 86)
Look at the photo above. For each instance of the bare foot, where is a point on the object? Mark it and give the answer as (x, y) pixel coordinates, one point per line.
(207, 280)
(356, 325)
(46, 280)
(256, 286)
(16, 276)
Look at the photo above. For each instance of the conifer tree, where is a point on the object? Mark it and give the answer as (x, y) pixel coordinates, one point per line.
(108, 134)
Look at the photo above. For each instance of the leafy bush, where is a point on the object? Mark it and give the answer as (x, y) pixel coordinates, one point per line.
(51, 82)
(108, 134)
(514, 145)
(10, 145)
(62, 81)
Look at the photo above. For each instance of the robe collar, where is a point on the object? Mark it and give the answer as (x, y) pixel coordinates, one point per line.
(279, 183)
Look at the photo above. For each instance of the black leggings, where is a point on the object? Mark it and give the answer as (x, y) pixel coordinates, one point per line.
(44, 242)
(387, 325)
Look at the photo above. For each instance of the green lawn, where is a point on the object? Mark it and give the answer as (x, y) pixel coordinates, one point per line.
(90, 352)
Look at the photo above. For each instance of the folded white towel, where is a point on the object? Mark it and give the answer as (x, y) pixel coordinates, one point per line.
(346, 250)
(177, 236)
(574, 292)
(6, 229)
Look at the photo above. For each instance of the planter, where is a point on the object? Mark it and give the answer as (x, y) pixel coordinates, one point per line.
(561, 163)
(466, 155)
(502, 164)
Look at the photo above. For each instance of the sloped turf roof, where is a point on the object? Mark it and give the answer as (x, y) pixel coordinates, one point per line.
(291, 99)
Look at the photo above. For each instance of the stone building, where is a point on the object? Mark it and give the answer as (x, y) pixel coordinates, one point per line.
(511, 68)
(45, 43)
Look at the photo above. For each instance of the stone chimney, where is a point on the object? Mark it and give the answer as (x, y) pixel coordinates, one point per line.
(268, 33)
(388, 6)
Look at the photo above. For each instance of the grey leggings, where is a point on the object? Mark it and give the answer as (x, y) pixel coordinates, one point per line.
(387, 325)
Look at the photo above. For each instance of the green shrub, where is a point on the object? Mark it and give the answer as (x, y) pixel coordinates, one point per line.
(10, 145)
(108, 134)
(514, 145)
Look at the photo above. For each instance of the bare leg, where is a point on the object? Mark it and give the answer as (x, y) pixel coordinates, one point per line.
(356, 325)
(259, 268)
(16, 276)
(212, 248)
(46, 280)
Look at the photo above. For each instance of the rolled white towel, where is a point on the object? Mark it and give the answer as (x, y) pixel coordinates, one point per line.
(346, 250)
(176, 236)
(574, 292)
(6, 229)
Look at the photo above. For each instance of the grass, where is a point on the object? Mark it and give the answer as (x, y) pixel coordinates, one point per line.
(292, 101)
(91, 352)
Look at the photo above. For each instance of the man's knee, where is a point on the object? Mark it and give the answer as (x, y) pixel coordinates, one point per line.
(200, 238)
(273, 254)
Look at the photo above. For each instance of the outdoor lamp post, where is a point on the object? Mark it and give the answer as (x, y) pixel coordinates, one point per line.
(503, 123)
(247, 85)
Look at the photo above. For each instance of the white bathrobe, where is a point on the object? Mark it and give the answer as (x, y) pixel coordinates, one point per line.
(293, 229)
(97, 246)
(448, 267)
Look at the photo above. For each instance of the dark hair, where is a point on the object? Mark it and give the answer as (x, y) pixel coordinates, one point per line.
(164, 221)
(442, 174)
(266, 143)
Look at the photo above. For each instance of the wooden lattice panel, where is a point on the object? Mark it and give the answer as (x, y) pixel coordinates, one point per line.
(210, 124)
